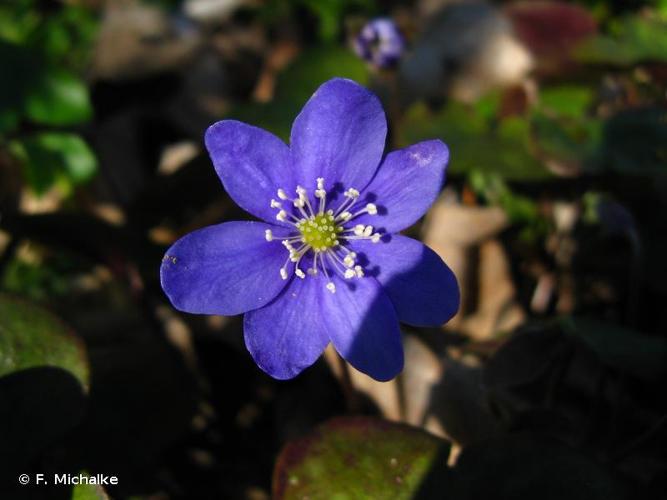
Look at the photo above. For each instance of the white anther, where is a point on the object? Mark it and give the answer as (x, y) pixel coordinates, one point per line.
(320, 193)
(349, 274)
(299, 203)
(275, 204)
(288, 245)
(368, 230)
(352, 193)
(268, 234)
(349, 260)
(345, 216)
(283, 273)
(300, 190)
(376, 238)
(372, 209)
(320, 183)
(300, 273)
(282, 215)
(359, 229)
(282, 195)
(359, 271)
(331, 286)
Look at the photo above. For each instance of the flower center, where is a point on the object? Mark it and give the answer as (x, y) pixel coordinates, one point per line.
(319, 231)
(321, 236)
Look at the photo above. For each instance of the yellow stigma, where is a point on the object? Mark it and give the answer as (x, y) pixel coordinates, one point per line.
(319, 231)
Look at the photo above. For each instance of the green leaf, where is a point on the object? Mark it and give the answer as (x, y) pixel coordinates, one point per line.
(31, 336)
(633, 39)
(23, 66)
(477, 142)
(567, 100)
(634, 142)
(628, 351)
(59, 98)
(295, 86)
(520, 209)
(9, 119)
(662, 7)
(329, 16)
(567, 140)
(89, 492)
(51, 157)
(44, 375)
(317, 65)
(18, 19)
(359, 457)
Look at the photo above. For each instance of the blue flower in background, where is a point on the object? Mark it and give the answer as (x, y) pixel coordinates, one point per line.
(380, 42)
(325, 265)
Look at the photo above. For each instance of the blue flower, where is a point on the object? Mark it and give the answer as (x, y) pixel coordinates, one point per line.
(326, 264)
(380, 42)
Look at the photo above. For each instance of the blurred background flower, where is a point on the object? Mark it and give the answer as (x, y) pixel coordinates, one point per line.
(380, 43)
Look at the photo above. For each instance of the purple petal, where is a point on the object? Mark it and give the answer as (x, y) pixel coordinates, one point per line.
(251, 163)
(225, 269)
(289, 334)
(422, 288)
(362, 324)
(406, 184)
(339, 135)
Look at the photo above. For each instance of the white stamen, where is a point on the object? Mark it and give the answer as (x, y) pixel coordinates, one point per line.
(332, 238)
(326, 274)
(295, 255)
(352, 193)
(313, 270)
(321, 194)
(336, 262)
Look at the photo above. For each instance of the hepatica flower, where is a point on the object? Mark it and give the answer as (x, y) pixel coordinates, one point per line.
(380, 42)
(325, 263)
